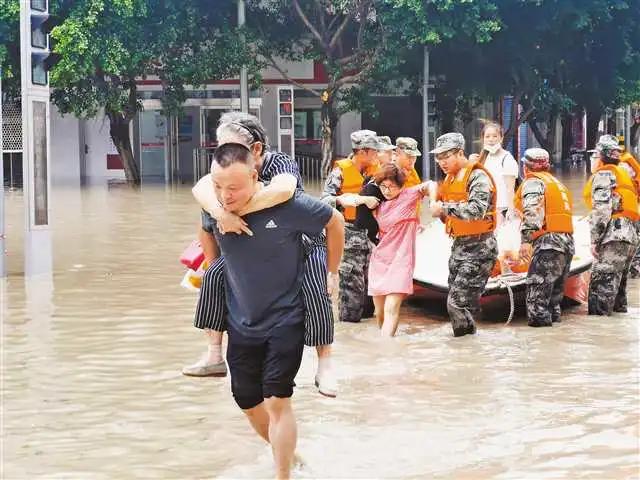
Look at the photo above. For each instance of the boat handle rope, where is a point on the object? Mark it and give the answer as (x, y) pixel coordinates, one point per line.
(504, 281)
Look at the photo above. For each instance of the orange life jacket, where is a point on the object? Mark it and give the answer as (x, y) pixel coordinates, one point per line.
(453, 190)
(557, 205)
(624, 188)
(413, 179)
(627, 158)
(352, 181)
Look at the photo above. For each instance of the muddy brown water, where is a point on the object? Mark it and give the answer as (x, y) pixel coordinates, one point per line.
(91, 382)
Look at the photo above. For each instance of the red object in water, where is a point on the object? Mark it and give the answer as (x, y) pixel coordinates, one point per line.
(577, 287)
(192, 256)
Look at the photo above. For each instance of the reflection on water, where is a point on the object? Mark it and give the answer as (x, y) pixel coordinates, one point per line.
(92, 383)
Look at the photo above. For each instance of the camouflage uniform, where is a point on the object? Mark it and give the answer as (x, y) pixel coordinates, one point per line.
(357, 250)
(472, 258)
(552, 255)
(615, 240)
(634, 271)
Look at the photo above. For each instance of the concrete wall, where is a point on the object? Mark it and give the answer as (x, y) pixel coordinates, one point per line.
(65, 148)
(98, 145)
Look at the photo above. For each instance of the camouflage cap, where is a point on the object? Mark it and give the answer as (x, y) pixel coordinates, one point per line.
(408, 145)
(384, 143)
(536, 159)
(448, 141)
(364, 139)
(607, 143)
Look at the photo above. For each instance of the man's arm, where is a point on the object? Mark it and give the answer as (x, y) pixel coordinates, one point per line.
(281, 189)
(209, 245)
(532, 209)
(335, 247)
(332, 187)
(207, 240)
(602, 202)
(335, 241)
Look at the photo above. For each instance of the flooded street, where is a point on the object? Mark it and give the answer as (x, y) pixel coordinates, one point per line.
(92, 387)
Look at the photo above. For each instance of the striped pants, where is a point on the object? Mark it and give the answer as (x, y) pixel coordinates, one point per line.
(211, 310)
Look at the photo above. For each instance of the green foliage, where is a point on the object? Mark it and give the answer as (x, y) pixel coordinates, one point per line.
(9, 46)
(106, 45)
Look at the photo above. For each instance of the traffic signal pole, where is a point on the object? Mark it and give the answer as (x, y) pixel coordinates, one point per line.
(34, 50)
(426, 144)
(244, 76)
(3, 271)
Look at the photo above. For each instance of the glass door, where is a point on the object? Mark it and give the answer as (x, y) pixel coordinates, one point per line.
(153, 146)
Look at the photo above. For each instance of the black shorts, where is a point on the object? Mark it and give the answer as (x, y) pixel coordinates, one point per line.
(266, 369)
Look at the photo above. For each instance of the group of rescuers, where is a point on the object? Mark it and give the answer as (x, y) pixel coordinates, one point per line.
(276, 255)
(476, 195)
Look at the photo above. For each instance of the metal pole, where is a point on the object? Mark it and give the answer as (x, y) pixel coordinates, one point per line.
(426, 146)
(627, 128)
(244, 77)
(2, 266)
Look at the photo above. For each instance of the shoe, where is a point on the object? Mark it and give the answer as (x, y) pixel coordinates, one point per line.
(210, 370)
(327, 385)
(622, 309)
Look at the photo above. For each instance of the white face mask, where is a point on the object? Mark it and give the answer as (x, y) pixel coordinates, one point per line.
(492, 149)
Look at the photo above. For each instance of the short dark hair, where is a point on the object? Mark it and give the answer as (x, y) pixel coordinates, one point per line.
(230, 153)
(391, 172)
(607, 160)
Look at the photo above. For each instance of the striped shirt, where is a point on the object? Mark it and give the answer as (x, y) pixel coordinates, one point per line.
(276, 163)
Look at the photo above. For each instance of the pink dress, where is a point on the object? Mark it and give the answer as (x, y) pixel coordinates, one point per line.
(393, 259)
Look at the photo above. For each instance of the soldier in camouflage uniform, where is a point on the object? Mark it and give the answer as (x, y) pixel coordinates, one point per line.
(341, 191)
(611, 196)
(546, 232)
(466, 203)
(632, 167)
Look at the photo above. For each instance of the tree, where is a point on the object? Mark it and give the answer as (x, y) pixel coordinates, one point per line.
(106, 47)
(546, 56)
(10, 47)
(362, 44)
(346, 36)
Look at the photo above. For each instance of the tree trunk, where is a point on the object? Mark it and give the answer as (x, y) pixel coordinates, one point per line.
(516, 120)
(446, 110)
(567, 136)
(329, 119)
(593, 118)
(119, 131)
(543, 140)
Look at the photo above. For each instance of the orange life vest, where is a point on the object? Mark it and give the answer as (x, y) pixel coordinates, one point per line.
(413, 179)
(624, 188)
(352, 181)
(454, 190)
(557, 205)
(627, 158)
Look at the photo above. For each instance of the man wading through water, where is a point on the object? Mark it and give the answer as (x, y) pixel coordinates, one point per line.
(263, 277)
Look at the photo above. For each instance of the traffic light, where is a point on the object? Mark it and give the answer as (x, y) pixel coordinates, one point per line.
(41, 24)
(285, 121)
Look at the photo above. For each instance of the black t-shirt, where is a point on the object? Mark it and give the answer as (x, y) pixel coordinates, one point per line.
(263, 272)
(364, 215)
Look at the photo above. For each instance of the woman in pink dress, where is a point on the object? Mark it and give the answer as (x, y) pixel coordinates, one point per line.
(393, 259)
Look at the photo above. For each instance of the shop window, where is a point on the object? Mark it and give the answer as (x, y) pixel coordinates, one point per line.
(308, 126)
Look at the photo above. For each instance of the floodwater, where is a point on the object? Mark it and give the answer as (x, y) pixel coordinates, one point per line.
(92, 386)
